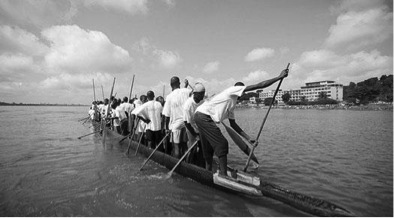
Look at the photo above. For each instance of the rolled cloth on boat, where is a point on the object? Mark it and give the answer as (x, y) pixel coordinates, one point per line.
(239, 141)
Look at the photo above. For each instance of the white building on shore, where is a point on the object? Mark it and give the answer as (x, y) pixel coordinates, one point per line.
(310, 91)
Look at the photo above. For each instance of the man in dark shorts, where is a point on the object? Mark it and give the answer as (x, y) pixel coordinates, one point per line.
(150, 113)
(216, 110)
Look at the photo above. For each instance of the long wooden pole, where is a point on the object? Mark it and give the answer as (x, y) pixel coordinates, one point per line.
(107, 112)
(146, 161)
(265, 118)
(132, 135)
(89, 134)
(131, 88)
(139, 142)
(102, 90)
(94, 91)
(180, 160)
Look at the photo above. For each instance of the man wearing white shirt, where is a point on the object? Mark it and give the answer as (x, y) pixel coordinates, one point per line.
(104, 108)
(189, 108)
(173, 111)
(127, 107)
(120, 118)
(216, 110)
(150, 113)
(140, 128)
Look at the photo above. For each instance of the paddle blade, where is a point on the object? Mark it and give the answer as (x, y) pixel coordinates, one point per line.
(239, 141)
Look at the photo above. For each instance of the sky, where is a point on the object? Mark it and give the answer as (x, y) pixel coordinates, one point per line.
(51, 51)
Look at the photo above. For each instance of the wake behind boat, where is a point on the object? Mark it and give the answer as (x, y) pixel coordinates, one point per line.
(236, 182)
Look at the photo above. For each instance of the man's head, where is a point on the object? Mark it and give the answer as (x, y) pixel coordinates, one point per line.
(240, 84)
(150, 95)
(143, 98)
(114, 104)
(198, 92)
(125, 99)
(106, 101)
(175, 83)
(161, 100)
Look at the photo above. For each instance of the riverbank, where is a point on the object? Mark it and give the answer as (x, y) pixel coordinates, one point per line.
(369, 107)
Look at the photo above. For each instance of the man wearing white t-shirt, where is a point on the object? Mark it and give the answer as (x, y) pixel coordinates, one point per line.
(150, 113)
(120, 118)
(140, 128)
(189, 108)
(173, 112)
(217, 109)
(127, 107)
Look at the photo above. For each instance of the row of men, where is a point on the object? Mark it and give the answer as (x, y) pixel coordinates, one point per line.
(189, 118)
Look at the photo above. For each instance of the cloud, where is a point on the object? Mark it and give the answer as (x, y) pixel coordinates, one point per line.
(327, 65)
(356, 5)
(170, 3)
(215, 86)
(16, 67)
(74, 50)
(143, 45)
(259, 54)
(211, 67)
(255, 76)
(128, 6)
(69, 82)
(17, 40)
(168, 59)
(359, 25)
(41, 13)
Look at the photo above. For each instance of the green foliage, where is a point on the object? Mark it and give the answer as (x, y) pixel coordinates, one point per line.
(319, 101)
(370, 90)
(323, 95)
(268, 101)
(286, 97)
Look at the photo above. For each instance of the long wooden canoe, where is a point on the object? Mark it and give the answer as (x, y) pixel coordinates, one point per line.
(241, 183)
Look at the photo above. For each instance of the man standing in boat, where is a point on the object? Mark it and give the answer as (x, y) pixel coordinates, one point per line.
(140, 128)
(173, 112)
(150, 113)
(119, 117)
(216, 110)
(189, 108)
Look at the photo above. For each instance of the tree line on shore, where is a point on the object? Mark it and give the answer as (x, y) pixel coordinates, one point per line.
(40, 104)
(365, 92)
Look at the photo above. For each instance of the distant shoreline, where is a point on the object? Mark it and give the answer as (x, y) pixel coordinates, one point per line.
(63, 105)
(369, 107)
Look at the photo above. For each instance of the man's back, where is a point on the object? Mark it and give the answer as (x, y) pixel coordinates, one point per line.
(173, 107)
(152, 110)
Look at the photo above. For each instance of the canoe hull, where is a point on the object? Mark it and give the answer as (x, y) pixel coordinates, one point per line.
(299, 201)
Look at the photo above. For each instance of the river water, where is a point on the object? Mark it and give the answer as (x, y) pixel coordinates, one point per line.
(345, 157)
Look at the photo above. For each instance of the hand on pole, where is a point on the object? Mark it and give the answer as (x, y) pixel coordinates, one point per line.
(284, 73)
(253, 142)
